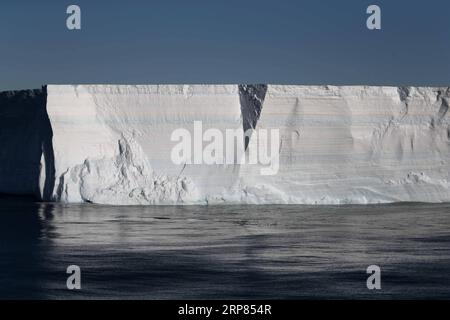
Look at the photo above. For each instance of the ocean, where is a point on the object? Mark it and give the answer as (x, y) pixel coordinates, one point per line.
(224, 252)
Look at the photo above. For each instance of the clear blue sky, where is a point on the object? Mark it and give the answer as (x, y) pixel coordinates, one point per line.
(224, 41)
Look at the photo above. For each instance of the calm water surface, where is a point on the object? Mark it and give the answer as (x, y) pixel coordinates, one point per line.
(224, 251)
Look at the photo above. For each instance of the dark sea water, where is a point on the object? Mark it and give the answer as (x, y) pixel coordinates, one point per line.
(220, 252)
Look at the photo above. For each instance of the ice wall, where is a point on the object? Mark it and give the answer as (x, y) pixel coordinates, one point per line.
(112, 144)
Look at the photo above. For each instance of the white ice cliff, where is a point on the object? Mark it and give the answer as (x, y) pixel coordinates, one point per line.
(111, 144)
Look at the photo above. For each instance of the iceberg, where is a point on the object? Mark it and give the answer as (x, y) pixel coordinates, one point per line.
(113, 144)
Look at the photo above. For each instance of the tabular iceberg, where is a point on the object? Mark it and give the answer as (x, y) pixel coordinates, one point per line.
(112, 144)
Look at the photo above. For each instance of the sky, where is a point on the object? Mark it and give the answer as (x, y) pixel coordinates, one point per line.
(224, 41)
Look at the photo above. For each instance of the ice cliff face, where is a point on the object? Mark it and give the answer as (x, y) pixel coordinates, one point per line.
(356, 145)
(112, 144)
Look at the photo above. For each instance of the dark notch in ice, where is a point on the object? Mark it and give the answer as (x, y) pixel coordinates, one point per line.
(26, 136)
(444, 97)
(251, 98)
